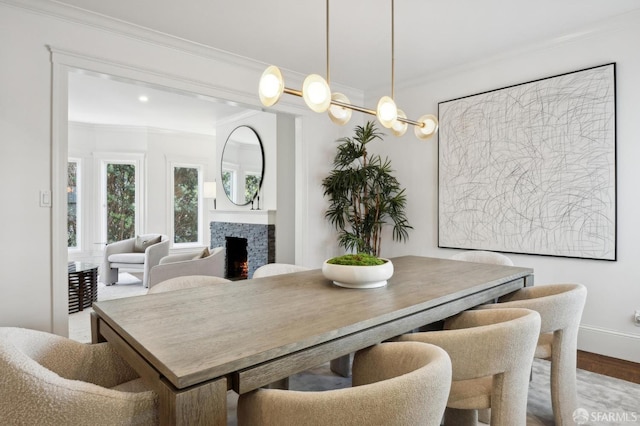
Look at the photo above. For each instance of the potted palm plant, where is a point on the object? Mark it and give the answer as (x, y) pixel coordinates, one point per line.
(363, 197)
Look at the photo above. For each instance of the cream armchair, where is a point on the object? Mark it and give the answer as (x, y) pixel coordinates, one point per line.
(134, 255)
(179, 265)
(51, 380)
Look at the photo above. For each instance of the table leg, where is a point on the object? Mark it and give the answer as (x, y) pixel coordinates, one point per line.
(96, 337)
(205, 404)
(342, 365)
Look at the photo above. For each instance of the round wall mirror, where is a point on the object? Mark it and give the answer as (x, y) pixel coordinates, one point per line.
(242, 165)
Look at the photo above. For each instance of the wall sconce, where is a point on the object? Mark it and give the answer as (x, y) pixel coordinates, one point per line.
(209, 191)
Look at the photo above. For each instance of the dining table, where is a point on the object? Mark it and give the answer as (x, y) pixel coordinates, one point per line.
(192, 346)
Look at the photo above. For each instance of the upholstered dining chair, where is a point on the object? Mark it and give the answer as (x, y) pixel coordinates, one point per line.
(49, 379)
(394, 384)
(481, 256)
(491, 355)
(276, 269)
(188, 281)
(560, 307)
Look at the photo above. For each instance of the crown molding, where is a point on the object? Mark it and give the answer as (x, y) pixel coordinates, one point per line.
(599, 29)
(102, 22)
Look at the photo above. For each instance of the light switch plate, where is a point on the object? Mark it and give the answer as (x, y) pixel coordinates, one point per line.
(45, 198)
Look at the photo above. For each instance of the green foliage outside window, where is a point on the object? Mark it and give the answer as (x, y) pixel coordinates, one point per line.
(251, 187)
(121, 201)
(72, 209)
(185, 212)
(227, 181)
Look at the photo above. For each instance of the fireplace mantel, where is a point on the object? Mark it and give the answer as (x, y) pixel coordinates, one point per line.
(256, 226)
(260, 217)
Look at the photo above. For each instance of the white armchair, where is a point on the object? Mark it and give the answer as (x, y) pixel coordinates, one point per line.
(179, 265)
(137, 254)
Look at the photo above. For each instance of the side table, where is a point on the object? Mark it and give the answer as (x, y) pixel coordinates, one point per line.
(83, 285)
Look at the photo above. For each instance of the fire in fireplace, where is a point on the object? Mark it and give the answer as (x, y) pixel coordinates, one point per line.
(237, 258)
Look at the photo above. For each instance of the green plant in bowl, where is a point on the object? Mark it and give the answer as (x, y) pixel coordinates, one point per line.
(358, 270)
(360, 259)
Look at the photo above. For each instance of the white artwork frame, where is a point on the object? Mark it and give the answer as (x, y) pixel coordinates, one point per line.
(531, 168)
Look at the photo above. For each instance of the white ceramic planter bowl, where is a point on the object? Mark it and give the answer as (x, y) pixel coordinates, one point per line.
(358, 276)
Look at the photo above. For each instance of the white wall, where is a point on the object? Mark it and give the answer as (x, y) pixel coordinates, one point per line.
(614, 287)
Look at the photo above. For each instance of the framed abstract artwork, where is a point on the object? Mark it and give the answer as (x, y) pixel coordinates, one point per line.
(531, 168)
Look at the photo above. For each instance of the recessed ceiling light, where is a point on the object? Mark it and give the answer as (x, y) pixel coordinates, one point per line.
(143, 98)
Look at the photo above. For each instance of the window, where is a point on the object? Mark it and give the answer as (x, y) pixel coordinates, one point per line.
(251, 186)
(229, 183)
(120, 194)
(186, 206)
(73, 204)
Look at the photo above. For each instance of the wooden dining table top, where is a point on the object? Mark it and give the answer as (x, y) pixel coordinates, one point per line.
(194, 335)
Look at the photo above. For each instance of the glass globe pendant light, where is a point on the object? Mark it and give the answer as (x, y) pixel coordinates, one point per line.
(337, 113)
(399, 128)
(427, 127)
(271, 86)
(316, 93)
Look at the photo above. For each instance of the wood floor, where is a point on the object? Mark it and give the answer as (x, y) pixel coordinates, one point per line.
(612, 367)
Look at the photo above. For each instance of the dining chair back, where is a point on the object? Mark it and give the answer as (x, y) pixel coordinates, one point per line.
(491, 355)
(481, 256)
(276, 269)
(560, 307)
(394, 384)
(47, 379)
(188, 281)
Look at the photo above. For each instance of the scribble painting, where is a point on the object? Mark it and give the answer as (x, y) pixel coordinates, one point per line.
(530, 168)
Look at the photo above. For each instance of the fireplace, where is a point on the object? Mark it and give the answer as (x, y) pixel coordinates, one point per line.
(258, 241)
(237, 260)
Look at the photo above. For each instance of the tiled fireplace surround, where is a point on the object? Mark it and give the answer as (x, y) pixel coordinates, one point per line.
(261, 241)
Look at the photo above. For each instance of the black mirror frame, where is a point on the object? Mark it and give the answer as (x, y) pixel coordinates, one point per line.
(262, 167)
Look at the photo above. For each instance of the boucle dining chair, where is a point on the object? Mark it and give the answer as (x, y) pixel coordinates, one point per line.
(491, 355)
(277, 269)
(489, 257)
(394, 384)
(47, 379)
(560, 307)
(481, 256)
(188, 281)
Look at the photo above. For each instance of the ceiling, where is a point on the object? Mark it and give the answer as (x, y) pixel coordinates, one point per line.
(430, 35)
(100, 99)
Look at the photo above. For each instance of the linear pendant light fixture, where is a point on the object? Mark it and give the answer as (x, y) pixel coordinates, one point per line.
(318, 97)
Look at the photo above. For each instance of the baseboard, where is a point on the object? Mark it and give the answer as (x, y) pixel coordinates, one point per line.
(608, 366)
(609, 352)
(610, 343)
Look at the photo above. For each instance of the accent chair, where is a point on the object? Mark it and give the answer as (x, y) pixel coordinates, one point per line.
(138, 254)
(206, 262)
